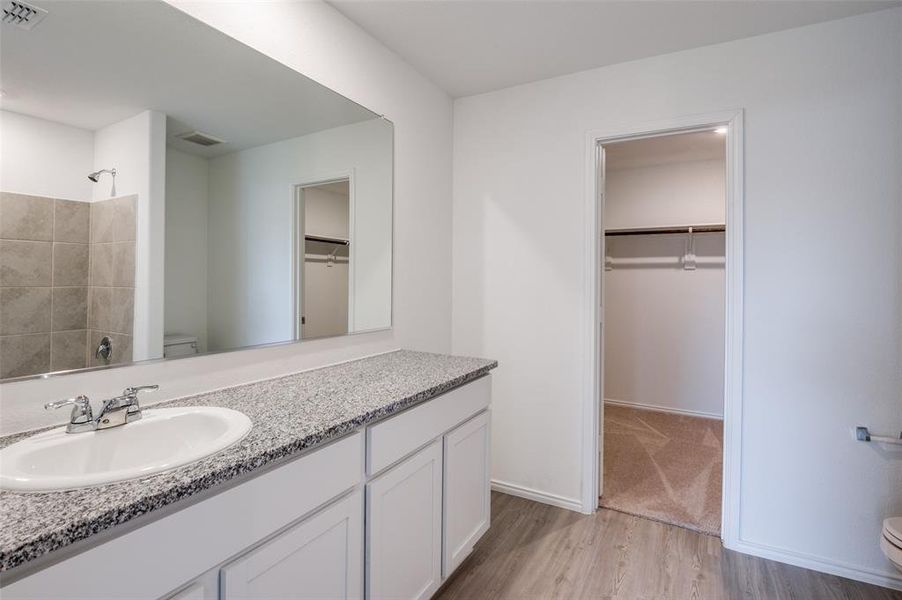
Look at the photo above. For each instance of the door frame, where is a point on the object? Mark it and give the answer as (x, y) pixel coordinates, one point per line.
(593, 343)
(297, 243)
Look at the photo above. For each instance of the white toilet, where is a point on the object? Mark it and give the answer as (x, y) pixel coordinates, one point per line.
(891, 540)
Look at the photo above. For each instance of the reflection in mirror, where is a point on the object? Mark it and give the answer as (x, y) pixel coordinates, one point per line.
(191, 196)
(324, 281)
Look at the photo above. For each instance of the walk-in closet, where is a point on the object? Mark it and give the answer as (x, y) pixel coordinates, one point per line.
(663, 304)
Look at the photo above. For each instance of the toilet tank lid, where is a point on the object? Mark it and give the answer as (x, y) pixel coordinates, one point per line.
(893, 526)
(174, 339)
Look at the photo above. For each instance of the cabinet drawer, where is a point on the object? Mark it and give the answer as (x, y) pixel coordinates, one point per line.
(395, 438)
(318, 477)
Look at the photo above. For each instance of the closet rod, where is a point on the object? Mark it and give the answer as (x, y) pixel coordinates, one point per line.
(707, 228)
(327, 240)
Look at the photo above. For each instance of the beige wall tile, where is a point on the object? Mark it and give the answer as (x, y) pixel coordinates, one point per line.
(71, 221)
(122, 310)
(68, 350)
(124, 218)
(22, 355)
(101, 265)
(25, 263)
(24, 310)
(99, 312)
(102, 221)
(26, 217)
(70, 264)
(123, 264)
(70, 308)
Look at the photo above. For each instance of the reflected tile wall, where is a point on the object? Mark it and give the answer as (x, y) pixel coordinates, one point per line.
(44, 260)
(111, 301)
(67, 277)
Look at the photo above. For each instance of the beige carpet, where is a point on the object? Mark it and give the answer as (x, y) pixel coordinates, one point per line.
(663, 466)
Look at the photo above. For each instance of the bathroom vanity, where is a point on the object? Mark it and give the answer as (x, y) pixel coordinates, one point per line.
(368, 478)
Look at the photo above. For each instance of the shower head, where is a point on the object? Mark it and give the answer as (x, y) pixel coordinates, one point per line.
(95, 176)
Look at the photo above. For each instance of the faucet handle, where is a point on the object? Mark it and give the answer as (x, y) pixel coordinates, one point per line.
(135, 390)
(81, 409)
(131, 394)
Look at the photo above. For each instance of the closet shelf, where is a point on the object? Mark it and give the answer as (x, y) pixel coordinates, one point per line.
(706, 228)
(327, 240)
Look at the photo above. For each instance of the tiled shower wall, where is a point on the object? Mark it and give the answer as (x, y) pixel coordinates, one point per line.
(66, 278)
(112, 295)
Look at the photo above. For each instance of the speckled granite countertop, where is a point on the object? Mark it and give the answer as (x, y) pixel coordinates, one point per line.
(291, 414)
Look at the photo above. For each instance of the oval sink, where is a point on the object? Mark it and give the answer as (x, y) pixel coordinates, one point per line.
(162, 439)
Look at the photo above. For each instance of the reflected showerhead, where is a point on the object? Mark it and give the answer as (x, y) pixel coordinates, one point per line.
(95, 176)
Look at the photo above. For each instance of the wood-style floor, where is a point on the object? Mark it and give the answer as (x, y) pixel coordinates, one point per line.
(534, 551)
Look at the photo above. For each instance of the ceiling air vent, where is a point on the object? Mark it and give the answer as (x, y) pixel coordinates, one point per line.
(22, 15)
(201, 139)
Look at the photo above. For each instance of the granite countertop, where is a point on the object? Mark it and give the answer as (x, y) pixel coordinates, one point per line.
(291, 414)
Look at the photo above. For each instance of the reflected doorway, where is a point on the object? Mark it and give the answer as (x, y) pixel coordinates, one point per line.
(323, 275)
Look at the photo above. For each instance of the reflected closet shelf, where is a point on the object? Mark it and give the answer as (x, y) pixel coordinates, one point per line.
(705, 228)
(326, 240)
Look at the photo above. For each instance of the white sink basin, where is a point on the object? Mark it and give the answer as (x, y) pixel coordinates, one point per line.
(162, 439)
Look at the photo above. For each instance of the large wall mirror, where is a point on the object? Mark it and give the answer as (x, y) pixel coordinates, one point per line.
(168, 191)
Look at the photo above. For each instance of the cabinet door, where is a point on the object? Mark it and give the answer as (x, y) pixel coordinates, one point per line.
(195, 591)
(404, 528)
(321, 557)
(467, 497)
(205, 587)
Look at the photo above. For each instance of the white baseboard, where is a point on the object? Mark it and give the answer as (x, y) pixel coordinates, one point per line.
(676, 411)
(520, 491)
(886, 579)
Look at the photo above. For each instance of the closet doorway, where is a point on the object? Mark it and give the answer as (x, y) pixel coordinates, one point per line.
(323, 258)
(663, 301)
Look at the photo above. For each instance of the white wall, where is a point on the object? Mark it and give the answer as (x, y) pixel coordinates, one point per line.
(325, 298)
(823, 287)
(325, 282)
(185, 307)
(136, 147)
(676, 193)
(251, 228)
(326, 213)
(316, 40)
(664, 326)
(44, 158)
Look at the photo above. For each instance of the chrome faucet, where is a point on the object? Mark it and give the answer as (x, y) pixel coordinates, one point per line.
(81, 419)
(113, 413)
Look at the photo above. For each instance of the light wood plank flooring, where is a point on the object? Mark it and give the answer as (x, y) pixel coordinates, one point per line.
(534, 551)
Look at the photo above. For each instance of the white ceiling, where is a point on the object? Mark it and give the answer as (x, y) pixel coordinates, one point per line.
(469, 47)
(665, 149)
(92, 63)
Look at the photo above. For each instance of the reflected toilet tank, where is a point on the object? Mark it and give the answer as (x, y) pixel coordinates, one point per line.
(179, 345)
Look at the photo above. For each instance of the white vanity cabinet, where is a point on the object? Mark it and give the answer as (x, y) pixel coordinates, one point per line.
(322, 557)
(427, 492)
(388, 512)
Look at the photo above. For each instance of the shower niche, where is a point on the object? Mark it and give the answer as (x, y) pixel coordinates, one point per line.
(174, 203)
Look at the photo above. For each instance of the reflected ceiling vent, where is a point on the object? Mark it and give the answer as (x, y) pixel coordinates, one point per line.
(22, 15)
(201, 139)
